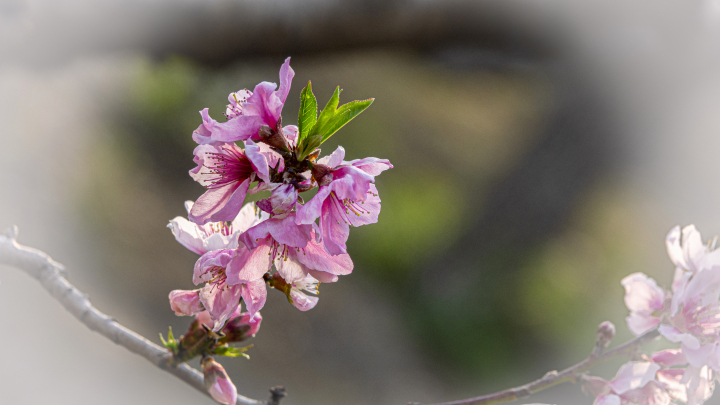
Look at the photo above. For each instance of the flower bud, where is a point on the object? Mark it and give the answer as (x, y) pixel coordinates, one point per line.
(273, 137)
(605, 333)
(185, 302)
(322, 174)
(241, 327)
(217, 382)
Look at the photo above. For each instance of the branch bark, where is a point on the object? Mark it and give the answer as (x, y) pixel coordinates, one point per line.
(554, 378)
(50, 274)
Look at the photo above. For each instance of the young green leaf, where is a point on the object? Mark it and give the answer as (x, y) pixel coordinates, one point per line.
(332, 118)
(307, 117)
(342, 116)
(327, 113)
(231, 351)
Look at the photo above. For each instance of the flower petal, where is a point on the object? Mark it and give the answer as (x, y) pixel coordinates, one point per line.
(676, 336)
(286, 76)
(254, 294)
(188, 234)
(316, 258)
(221, 302)
(219, 204)
(334, 159)
(633, 375)
(311, 210)
(248, 265)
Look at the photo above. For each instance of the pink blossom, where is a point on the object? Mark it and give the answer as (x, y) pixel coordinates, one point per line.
(636, 384)
(226, 171)
(695, 313)
(281, 201)
(689, 385)
(239, 326)
(217, 382)
(301, 300)
(645, 300)
(688, 252)
(346, 197)
(247, 112)
(185, 302)
(213, 235)
(293, 250)
(217, 242)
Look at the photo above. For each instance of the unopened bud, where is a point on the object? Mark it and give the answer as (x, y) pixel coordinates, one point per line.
(605, 333)
(241, 327)
(185, 302)
(217, 382)
(322, 174)
(273, 137)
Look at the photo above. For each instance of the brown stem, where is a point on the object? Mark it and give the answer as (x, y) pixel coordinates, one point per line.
(554, 378)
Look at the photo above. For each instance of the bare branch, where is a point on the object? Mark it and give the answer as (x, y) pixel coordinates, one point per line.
(554, 378)
(50, 274)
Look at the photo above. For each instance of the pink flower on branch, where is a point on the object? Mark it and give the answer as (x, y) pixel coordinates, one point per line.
(645, 300)
(185, 302)
(226, 171)
(292, 248)
(635, 384)
(247, 112)
(346, 197)
(217, 382)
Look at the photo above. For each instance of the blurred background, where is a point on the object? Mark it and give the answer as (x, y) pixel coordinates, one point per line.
(542, 151)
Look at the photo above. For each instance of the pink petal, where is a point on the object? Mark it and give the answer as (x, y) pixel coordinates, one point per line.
(371, 165)
(188, 234)
(351, 183)
(316, 258)
(371, 207)
(202, 135)
(670, 357)
(215, 258)
(303, 301)
(676, 336)
(265, 104)
(245, 219)
(221, 302)
(185, 302)
(284, 230)
(223, 391)
(248, 265)
(323, 277)
(334, 159)
(258, 160)
(286, 76)
(237, 129)
(633, 375)
(254, 294)
(283, 199)
(642, 293)
(219, 204)
(290, 268)
(308, 213)
(701, 356)
(639, 323)
(335, 231)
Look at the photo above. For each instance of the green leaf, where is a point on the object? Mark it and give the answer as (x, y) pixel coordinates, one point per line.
(332, 118)
(307, 117)
(170, 343)
(228, 351)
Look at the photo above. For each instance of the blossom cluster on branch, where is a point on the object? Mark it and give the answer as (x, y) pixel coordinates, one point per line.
(687, 314)
(282, 242)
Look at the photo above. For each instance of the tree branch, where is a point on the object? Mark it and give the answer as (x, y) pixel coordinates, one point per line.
(50, 274)
(554, 378)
